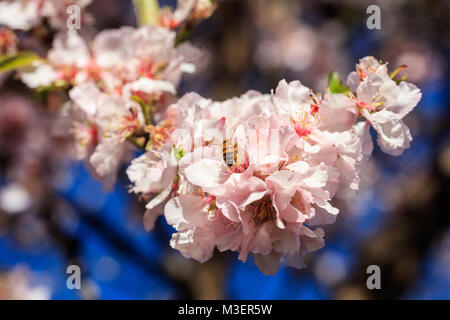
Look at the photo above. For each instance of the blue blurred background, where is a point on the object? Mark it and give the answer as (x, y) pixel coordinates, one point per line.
(400, 220)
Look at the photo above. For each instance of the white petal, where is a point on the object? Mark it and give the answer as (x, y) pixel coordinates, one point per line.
(337, 113)
(145, 172)
(148, 86)
(408, 97)
(19, 14)
(194, 243)
(41, 75)
(111, 47)
(254, 196)
(206, 173)
(186, 211)
(353, 81)
(86, 97)
(370, 87)
(362, 130)
(311, 240)
(289, 96)
(160, 198)
(69, 49)
(393, 135)
(108, 156)
(263, 242)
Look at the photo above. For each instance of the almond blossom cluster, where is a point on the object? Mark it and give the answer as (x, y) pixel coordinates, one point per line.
(256, 174)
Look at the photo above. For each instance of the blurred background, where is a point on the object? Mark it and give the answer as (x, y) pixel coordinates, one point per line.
(53, 213)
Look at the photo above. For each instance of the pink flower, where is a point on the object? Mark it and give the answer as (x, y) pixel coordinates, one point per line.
(106, 114)
(366, 66)
(154, 173)
(116, 58)
(68, 60)
(384, 104)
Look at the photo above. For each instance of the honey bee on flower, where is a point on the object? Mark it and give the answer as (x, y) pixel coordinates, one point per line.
(270, 207)
(254, 174)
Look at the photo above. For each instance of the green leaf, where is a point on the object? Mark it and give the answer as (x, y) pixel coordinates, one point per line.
(19, 60)
(335, 84)
(147, 12)
(179, 152)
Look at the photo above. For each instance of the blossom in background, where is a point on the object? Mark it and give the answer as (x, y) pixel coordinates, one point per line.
(105, 122)
(116, 57)
(15, 285)
(26, 14)
(8, 42)
(189, 11)
(122, 83)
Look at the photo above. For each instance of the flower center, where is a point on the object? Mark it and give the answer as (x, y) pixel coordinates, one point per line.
(264, 211)
(86, 136)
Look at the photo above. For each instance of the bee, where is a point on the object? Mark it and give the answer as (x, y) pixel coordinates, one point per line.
(229, 152)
